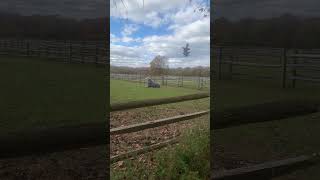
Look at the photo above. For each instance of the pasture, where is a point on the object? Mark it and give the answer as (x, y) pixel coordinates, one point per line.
(125, 91)
(37, 92)
(190, 82)
(264, 141)
(154, 164)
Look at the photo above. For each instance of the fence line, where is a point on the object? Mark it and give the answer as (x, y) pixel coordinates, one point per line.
(178, 81)
(273, 63)
(67, 51)
(263, 170)
(156, 123)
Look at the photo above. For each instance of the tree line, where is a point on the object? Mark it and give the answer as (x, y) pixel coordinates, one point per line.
(187, 71)
(285, 31)
(51, 27)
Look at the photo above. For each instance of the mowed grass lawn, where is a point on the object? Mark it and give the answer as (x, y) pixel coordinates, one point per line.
(189, 159)
(43, 93)
(125, 91)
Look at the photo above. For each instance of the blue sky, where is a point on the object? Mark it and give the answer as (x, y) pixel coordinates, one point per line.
(160, 27)
(117, 25)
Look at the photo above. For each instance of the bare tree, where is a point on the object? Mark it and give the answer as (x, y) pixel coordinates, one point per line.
(159, 66)
(186, 50)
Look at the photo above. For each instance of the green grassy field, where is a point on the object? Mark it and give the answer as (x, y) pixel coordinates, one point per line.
(269, 140)
(124, 91)
(189, 159)
(192, 84)
(41, 93)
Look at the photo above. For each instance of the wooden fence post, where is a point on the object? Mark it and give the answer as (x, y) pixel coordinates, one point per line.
(166, 81)
(182, 81)
(1, 47)
(97, 51)
(5, 47)
(82, 51)
(70, 52)
(219, 63)
(28, 48)
(284, 67)
(47, 49)
(230, 66)
(294, 71)
(39, 49)
(65, 51)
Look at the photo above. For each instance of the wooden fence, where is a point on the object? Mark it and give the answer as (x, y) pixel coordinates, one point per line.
(199, 82)
(268, 64)
(67, 51)
(152, 124)
(266, 170)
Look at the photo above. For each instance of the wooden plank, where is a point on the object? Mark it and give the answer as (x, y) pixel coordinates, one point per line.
(303, 65)
(294, 70)
(153, 102)
(304, 79)
(304, 56)
(253, 64)
(266, 169)
(156, 123)
(143, 150)
(219, 63)
(284, 68)
(250, 76)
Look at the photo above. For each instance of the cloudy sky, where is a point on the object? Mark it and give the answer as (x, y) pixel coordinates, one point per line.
(140, 31)
(236, 9)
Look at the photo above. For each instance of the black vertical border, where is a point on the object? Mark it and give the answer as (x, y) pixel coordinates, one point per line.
(212, 81)
(107, 83)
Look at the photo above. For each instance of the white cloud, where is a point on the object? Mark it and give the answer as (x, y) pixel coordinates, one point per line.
(148, 13)
(197, 34)
(133, 56)
(129, 29)
(187, 27)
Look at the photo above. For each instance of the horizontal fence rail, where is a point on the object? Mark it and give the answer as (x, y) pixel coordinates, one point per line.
(252, 63)
(153, 124)
(156, 123)
(95, 52)
(265, 170)
(196, 82)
